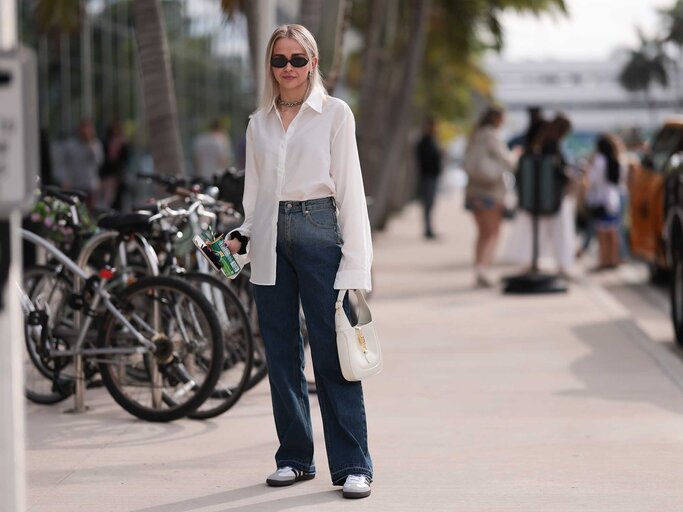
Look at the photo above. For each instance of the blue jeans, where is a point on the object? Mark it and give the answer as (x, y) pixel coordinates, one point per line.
(308, 255)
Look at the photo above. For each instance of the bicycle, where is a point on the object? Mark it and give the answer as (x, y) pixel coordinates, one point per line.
(158, 347)
(163, 226)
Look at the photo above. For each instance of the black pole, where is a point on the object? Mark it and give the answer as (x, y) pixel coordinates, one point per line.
(534, 217)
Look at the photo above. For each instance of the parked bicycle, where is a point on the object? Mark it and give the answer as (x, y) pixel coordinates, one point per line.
(157, 342)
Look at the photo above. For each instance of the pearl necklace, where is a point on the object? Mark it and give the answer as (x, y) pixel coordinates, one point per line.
(288, 104)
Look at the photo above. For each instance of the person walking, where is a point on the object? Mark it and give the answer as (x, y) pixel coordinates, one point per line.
(307, 233)
(487, 159)
(429, 164)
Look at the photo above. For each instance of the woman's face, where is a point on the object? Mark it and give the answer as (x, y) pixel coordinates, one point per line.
(292, 81)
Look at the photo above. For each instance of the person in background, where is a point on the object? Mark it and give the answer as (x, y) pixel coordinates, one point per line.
(307, 232)
(536, 121)
(82, 158)
(627, 162)
(211, 153)
(429, 165)
(113, 170)
(487, 159)
(603, 199)
(525, 139)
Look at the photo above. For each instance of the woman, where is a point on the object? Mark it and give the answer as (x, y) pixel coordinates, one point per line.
(307, 231)
(487, 159)
(603, 199)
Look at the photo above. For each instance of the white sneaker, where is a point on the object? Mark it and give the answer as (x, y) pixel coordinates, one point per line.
(356, 486)
(287, 476)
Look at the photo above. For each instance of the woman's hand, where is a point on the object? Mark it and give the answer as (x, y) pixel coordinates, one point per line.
(234, 245)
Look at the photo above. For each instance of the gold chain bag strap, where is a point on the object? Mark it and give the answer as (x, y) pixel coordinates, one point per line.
(360, 355)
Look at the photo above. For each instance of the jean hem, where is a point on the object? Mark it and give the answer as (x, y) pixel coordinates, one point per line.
(297, 464)
(339, 476)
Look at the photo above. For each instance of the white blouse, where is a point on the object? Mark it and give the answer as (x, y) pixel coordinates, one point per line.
(316, 157)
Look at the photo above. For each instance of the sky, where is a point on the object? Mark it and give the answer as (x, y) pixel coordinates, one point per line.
(594, 30)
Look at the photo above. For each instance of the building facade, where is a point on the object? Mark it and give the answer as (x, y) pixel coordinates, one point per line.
(589, 93)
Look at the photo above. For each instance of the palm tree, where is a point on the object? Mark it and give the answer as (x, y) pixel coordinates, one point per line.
(157, 88)
(327, 20)
(58, 15)
(250, 10)
(644, 67)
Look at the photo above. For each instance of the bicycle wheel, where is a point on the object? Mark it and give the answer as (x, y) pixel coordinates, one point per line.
(45, 379)
(174, 378)
(238, 345)
(243, 288)
(126, 255)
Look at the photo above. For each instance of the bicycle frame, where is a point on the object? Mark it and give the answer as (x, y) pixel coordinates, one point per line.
(78, 351)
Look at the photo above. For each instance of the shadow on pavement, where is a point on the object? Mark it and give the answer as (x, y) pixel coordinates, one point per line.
(252, 491)
(93, 430)
(614, 369)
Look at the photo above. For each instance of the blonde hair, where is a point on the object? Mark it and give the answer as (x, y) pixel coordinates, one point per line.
(301, 35)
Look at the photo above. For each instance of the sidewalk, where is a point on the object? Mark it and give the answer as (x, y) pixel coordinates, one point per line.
(487, 403)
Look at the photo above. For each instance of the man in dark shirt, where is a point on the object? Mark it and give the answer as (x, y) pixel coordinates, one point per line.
(429, 165)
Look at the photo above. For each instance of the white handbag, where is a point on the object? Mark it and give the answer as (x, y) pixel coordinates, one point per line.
(360, 355)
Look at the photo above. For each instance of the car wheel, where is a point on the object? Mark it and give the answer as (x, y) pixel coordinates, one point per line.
(676, 289)
(658, 274)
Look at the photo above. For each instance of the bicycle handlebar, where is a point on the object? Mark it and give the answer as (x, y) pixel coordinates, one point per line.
(71, 197)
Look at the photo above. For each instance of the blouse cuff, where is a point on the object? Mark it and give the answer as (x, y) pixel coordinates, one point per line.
(353, 280)
(243, 240)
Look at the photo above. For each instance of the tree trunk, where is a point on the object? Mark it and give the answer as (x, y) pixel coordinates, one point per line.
(372, 102)
(678, 77)
(327, 20)
(158, 89)
(251, 13)
(390, 73)
(400, 152)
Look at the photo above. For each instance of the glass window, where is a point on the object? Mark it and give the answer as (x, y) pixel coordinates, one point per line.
(667, 141)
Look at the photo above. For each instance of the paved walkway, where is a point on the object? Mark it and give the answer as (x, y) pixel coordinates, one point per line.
(487, 403)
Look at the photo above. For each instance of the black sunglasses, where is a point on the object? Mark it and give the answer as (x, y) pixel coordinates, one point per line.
(280, 61)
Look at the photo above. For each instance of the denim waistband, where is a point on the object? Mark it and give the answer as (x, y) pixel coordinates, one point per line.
(308, 205)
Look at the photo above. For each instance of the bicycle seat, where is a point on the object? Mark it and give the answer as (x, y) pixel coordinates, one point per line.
(144, 208)
(126, 223)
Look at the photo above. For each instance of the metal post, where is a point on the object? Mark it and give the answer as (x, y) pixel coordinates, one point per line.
(12, 442)
(8, 24)
(12, 449)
